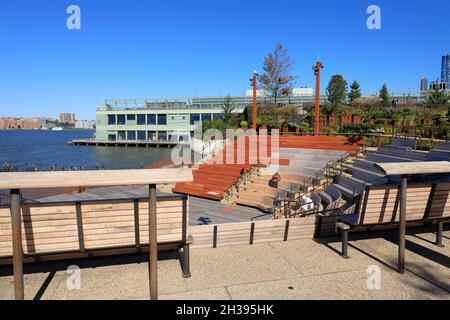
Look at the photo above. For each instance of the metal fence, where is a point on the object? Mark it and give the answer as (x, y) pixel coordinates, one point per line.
(32, 194)
(407, 96)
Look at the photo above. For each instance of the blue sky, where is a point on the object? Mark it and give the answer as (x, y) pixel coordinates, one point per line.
(138, 48)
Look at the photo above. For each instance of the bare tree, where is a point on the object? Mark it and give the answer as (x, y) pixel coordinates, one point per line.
(277, 66)
(228, 108)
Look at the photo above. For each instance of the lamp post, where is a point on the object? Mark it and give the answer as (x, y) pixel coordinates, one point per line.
(253, 81)
(316, 69)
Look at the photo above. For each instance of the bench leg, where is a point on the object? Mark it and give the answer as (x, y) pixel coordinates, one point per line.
(345, 244)
(185, 262)
(440, 228)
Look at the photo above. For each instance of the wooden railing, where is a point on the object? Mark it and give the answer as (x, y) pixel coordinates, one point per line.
(76, 227)
(15, 181)
(252, 232)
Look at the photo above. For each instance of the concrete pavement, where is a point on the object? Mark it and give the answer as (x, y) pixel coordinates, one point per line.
(300, 269)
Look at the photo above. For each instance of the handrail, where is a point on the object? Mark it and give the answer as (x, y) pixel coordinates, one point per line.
(167, 197)
(325, 134)
(189, 101)
(82, 178)
(208, 144)
(342, 159)
(261, 215)
(367, 134)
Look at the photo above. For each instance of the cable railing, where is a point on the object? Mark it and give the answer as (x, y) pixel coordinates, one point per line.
(279, 204)
(328, 177)
(211, 101)
(211, 146)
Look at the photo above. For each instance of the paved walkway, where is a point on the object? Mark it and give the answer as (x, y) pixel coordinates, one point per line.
(303, 269)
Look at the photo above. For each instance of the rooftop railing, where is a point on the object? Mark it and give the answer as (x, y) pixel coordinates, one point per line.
(238, 101)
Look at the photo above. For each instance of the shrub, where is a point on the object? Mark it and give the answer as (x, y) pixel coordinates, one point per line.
(425, 145)
(357, 128)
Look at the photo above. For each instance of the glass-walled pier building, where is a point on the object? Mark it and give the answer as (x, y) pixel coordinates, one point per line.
(155, 121)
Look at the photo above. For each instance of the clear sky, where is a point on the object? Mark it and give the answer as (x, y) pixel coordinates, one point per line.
(137, 48)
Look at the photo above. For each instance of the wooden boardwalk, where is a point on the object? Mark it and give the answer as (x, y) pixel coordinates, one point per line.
(127, 143)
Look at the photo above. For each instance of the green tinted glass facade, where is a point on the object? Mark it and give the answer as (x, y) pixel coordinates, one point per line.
(149, 125)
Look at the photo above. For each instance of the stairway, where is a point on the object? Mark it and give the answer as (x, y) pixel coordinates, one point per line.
(296, 157)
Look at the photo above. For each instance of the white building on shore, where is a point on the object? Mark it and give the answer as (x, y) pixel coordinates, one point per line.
(84, 124)
(295, 92)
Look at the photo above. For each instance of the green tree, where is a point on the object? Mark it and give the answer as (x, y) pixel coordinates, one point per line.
(228, 108)
(218, 124)
(442, 118)
(277, 78)
(384, 96)
(355, 92)
(336, 92)
(437, 97)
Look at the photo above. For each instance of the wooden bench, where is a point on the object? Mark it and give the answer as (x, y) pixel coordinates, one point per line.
(85, 228)
(34, 231)
(380, 205)
(403, 153)
(380, 158)
(443, 145)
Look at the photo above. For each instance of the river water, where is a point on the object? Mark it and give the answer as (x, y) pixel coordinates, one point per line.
(43, 149)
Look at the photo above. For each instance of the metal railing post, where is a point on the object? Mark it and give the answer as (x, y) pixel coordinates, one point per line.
(16, 226)
(402, 225)
(345, 244)
(440, 228)
(153, 249)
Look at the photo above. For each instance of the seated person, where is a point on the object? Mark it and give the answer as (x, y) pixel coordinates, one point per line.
(273, 182)
(307, 203)
(304, 205)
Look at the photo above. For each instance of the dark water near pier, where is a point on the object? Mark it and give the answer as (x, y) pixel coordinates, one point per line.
(22, 148)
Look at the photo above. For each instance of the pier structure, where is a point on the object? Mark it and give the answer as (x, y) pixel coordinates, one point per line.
(128, 143)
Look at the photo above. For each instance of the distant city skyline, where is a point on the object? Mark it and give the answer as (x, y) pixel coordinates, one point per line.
(65, 117)
(45, 123)
(158, 49)
(443, 80)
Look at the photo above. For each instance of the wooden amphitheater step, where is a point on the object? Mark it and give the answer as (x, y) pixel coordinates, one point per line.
(212, 181)
(263, 203)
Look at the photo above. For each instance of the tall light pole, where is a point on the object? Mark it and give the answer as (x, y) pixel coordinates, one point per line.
(253, 80)
(316, 69)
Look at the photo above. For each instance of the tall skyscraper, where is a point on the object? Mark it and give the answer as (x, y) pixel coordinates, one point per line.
(67, 117)
(445, 70)
(424, 84)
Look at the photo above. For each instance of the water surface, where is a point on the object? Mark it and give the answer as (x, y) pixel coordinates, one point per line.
(43, 149)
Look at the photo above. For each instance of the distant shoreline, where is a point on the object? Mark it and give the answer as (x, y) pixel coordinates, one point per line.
(69, 129)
